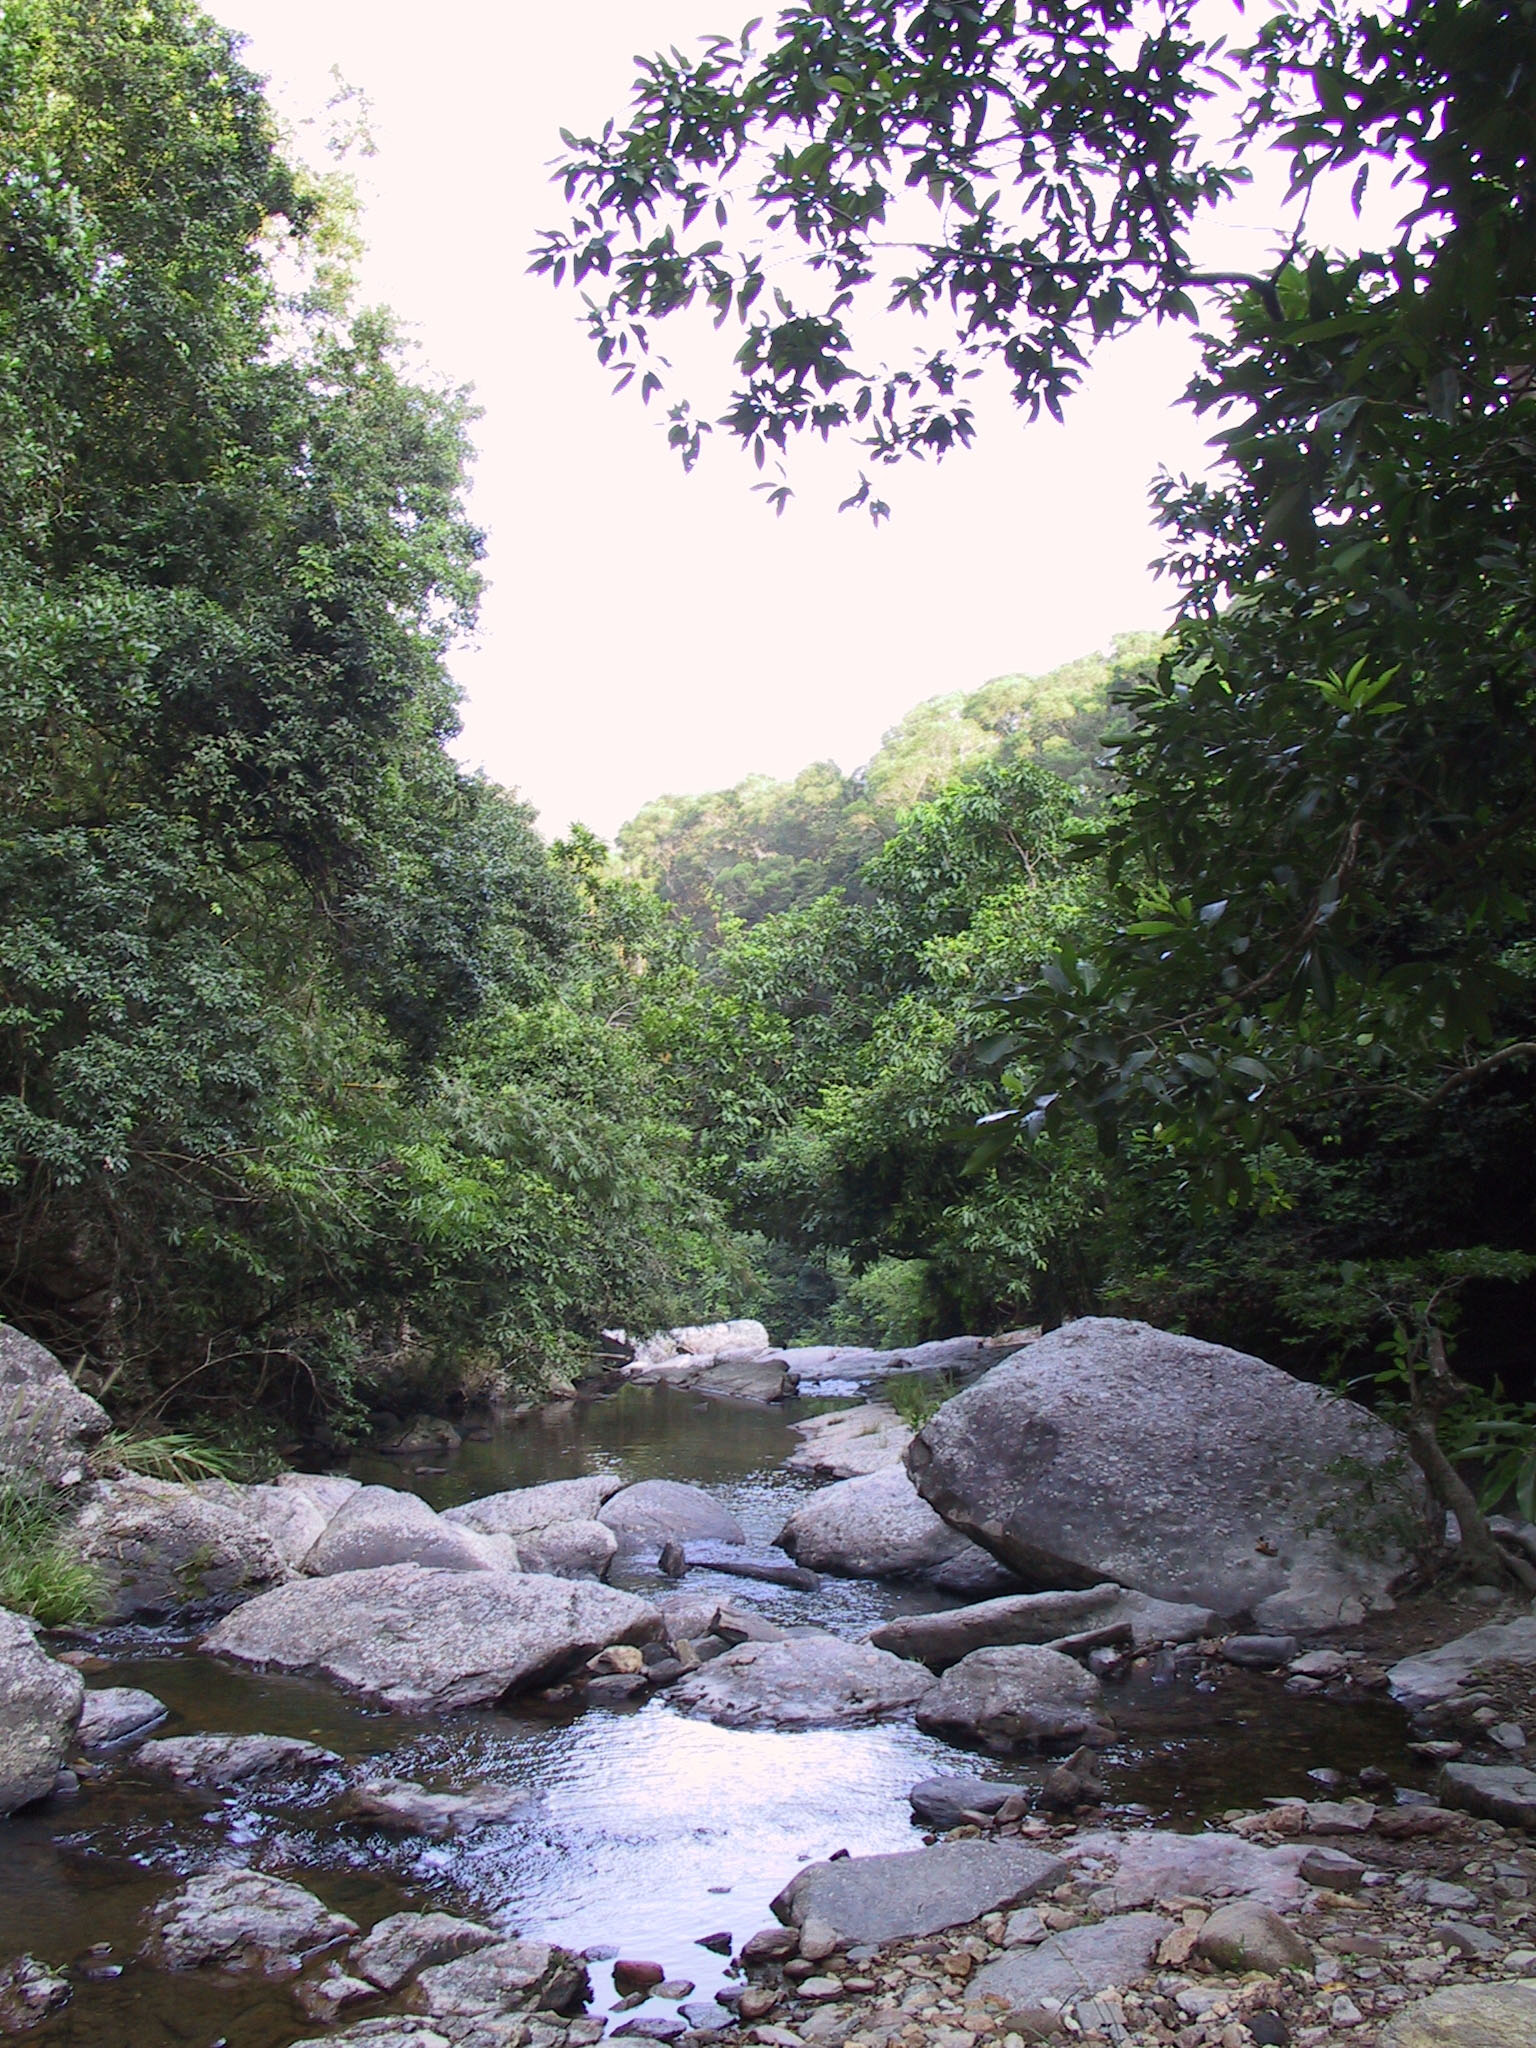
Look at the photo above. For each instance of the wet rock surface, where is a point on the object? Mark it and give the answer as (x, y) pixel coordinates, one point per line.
(40, 1703)
(402, 1803)
(116, 1715)
(805, 1682)
(240, 1920)
(1017, 1698)
(223, 1760)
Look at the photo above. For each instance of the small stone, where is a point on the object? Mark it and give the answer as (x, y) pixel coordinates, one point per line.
(1023, 1927)
(29, 1991)
(618, 1660)
(719, 1943)
(675, 1988)
(1331, 1868)
(818, 1939)
(1320, 1664)
(820, 1988)
(663, 2026)
(770, 1945)
(1507, 1734)
(321, 1998)
(1268, 2029)
(1435, 1891)
(637, 1976)
(1344, 2012)
(1259, 1653)
(1466, 1938)
(1247, 1936)
(757, 2001)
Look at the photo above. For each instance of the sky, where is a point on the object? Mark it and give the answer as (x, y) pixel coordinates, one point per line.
(647, 632)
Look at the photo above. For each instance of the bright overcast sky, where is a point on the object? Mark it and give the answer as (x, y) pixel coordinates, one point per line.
(646, 631)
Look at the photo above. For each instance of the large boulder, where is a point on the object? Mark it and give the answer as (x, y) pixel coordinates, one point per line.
(1103, 1956)
(421, 1641)
(379, 1525)
(1016, 1698)
(239, 1920)
(850, 1442)
(875, 1527)
(527, 1508)
(802, 1682)
(40, 1704)
(507, 1977)
(1111, 1450)
(1467, 2016)
(569, 1550)
(876, 1899)
(653, 1512)
(940, 1640)
(292, 1516)
(1429, 1676)
(328, 1490)
(157, 1547)
(46, 1424)
(1501, 1792)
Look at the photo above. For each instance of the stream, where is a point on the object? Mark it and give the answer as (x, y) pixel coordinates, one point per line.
(651, 1830)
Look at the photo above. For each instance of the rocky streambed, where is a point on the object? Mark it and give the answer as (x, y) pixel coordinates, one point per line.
(419, 1798)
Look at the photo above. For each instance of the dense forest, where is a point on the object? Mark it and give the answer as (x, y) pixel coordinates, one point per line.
(1193, 980)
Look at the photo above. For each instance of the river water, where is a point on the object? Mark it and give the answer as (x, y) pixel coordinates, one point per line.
(650, 1830)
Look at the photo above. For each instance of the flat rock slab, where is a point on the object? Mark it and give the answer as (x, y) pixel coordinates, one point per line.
(385, 2032)
(379, 1525)
(424, 1641)
(402, 1803)
(526, 1508)
(40, 1702)
(802, 1682)
(1467, 2016)
(394, 1949)
(509, 1976)
(876, 1899)
(946, 1802)
(939, 1640)
(116, 1714)
(1104, 1956)
(240, 1920)
(1016, 1698)
(1432, 1675)
(219, 1761)
(157, 1548)
(1136, 1868)
(876, 1527)
(1501, 1792)
(656, 1511)
(756, 1376)
(850, 1443)
(1111, 1450)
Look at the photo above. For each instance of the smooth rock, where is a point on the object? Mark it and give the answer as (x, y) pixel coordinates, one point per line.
(292, 1516)
(1246, 1935)
(871, 1528)
(222, 1760)
(116, 1714)
(568, 1550)
(403, 1804)
(509, 1976)
(156, 1548)
(707, 2012)
(29, 1992)
(49, 1426)
(1110, 1450)
(329, 1491)
(528, 1508)
(656, 1511)
(631, 1973)
(1016, 1698)
(1259, 1653)
(419, 1640)
(1432, 1675)
(395, 1948)
(939, 1640)
(381, 1526)
(242, 1921)
(974, 1574)
(1501, 1792)
(1332, 1869)
(1467, 2016)
(878, 1899)
(1106, 1955)
(1135, 1868)
(945, 1803)
(804, 1682)
(851, 1442)
(40, 1703)
(770, 1945)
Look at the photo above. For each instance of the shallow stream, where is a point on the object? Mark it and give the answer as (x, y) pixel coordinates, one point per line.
(650, 1830)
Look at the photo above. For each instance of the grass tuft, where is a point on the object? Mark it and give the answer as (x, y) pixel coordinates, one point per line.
(39, 1574)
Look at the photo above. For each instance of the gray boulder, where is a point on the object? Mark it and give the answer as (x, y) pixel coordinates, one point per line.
(1467, 2016)
(379, 1525)
(507, 1977)
(117, 1714)
(1111, 1450)
(528, 1508)
(948, 1802)
(851, 1442)
(727, 1376)
(1136, 1868)
(156, 1548)
(292, 1516)
(657, 1511)
(220, 1761)
(425, 1641)
(1433, 1675)
(1016, 1698)
(876, 1899)
(239, 1920)
(328, 1490)
(47, 1426)
(803, 1682)
(1501, 1792)
(394, 1949)
(40, 1703)
(940, 1640)
(1106, 1955)
(569, 1550)
(402, 1804)
(875, 1527)
(1246, 1935)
